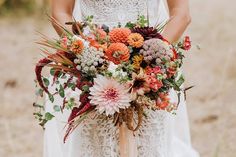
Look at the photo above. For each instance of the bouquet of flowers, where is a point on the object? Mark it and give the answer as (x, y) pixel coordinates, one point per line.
(116, 72)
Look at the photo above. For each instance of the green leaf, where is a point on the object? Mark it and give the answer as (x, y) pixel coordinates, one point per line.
(43, 122)
(72, 85)
(39, 92)
(180, 81)
(130, 25)
(56, 108)
(51, 98)
(142, 21)
(52, 71)
(37, 115)
(85, 88)
(46, 82)
(172, 83)
(48, 116)
(89, 18)
(61, 91)
(36, 105)
(71, 103)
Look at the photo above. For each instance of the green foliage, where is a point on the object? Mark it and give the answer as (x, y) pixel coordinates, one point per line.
(46, 82)
(40, 115)
(142, 21)
(48, 116)
(18, 7)
(70, 104)
(61, 91)
(51, 98)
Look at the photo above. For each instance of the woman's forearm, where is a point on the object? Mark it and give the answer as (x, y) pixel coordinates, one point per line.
(62, 11)
(62, 18)
(179, 20)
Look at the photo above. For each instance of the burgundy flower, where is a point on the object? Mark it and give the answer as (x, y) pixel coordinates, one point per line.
(84, 98)
(186, 44)
(147, 32)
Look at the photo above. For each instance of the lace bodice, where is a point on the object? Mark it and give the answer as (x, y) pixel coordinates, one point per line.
(110, 12)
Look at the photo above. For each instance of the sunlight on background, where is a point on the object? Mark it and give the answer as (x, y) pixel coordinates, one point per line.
(211, 103)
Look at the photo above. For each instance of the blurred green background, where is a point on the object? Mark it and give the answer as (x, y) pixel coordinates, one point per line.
(22, 6)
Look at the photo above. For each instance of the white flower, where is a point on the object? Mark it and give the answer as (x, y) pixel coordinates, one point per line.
(70, 94)
(76, 37)
(108, 95)
(116, 73)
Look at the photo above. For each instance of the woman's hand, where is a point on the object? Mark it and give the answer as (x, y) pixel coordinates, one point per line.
(179, 19)
(62, 11)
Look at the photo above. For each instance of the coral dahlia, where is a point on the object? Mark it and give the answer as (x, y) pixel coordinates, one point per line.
(119, 35)
(77, 46)
(108, 95)
(117, 53)
(136, 40)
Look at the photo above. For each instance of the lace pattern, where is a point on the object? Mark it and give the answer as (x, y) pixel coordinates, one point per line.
(111, 12)
(152, 136)
(101, 139)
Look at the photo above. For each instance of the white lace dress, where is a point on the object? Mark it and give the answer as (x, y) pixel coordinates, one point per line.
(161, 135)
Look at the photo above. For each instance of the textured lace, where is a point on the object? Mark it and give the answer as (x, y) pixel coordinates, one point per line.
(100, 138)
(111, 12)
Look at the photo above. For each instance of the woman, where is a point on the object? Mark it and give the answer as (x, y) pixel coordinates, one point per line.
(162, 135)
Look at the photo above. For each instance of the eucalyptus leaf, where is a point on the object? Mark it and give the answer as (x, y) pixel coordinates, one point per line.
(61, 91)
(39, 92)
(56, 108)
(49, 116)
(46, 82)
(180, 81)
(72, 85)
(142, 21)
(52, 71)
(51, 97)
(130, 25)
(172, 84)
(85, 88)
(37, 115)
(70, 104)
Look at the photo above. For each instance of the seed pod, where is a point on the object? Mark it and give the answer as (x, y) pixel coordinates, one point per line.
(139, 109)
(130, 115)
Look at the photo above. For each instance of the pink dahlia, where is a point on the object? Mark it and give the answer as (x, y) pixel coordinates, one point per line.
(108, 95)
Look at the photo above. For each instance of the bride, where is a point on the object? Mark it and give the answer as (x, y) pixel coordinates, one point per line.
(162, 134)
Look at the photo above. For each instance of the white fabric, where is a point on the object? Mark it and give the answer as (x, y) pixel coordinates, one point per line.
(162, 134)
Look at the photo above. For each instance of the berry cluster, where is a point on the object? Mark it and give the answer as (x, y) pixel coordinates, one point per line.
(156, 50)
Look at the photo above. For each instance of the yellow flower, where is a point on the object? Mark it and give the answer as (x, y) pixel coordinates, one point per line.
(137, 60)
(135, 40)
